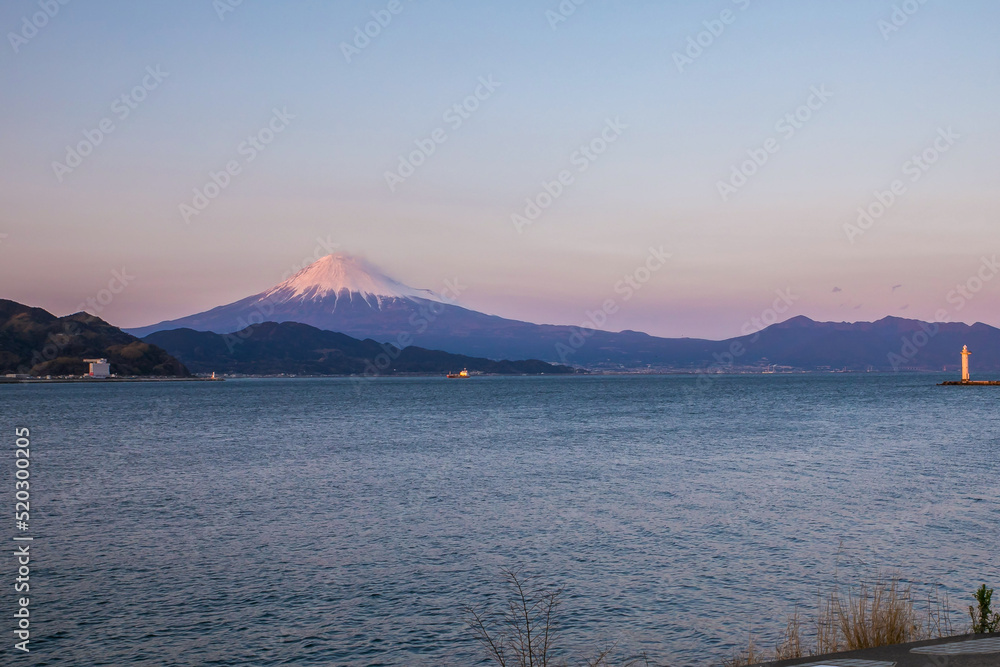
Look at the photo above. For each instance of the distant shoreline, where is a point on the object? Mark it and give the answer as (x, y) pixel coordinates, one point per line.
(579, 373)
(5, 380)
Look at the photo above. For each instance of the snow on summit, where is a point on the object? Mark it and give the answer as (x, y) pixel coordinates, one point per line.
(335, 274)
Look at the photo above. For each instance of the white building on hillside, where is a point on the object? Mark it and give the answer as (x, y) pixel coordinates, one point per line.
(99, 368)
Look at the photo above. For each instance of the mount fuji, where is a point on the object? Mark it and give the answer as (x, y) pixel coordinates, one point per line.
(334, 276)
(349, 295)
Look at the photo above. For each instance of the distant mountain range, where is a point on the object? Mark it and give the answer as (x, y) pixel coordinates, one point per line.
(36, 342)
(891, 343)
(340, 315)
(272, 348)
(348, 295)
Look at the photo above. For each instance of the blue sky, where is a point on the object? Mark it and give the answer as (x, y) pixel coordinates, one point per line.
(557, 86)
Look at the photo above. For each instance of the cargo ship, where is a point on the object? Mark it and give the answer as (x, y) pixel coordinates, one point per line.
(463, 374)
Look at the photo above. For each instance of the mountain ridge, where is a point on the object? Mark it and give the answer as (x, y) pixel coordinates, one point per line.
(273, 348)
(33, 341)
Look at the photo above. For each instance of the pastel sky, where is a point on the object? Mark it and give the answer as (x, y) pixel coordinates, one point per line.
(886, 80)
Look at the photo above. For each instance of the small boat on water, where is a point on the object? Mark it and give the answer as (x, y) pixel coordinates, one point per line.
(463, 374)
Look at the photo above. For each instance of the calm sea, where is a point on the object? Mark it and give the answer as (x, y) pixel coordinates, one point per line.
(334, 521)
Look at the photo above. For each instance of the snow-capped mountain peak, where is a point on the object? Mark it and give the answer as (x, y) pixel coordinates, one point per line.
(340, 273)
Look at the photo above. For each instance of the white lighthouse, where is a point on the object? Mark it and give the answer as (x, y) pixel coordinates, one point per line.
(965, 363)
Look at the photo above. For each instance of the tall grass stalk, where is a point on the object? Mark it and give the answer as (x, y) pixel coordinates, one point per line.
(751, 655)
(790, 645)
(523, 633)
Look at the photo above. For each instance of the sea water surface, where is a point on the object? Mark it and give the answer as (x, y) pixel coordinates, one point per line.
(348, 522)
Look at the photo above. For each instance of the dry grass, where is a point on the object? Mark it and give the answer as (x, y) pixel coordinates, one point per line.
(751, 655)
(879, 612)
(873, 613)
(827, 627)
(790, 645)
(938, 617)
